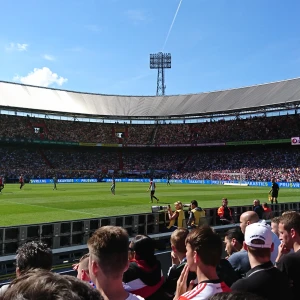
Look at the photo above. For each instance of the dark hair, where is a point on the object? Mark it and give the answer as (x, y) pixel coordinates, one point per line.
(110, 244)
(265, 204)
(144, 249)
(290, 221)
(235, 296)
(235, 233)
(34, 255)
(207, 244)
(194, 202)
(46, 285)
(178, 239)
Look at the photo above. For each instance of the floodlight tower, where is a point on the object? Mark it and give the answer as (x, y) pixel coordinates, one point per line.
(160, 61)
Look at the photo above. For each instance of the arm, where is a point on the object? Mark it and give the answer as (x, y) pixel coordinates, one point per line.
(191, 218)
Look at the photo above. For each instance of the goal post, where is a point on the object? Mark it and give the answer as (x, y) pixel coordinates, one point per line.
(237, 179)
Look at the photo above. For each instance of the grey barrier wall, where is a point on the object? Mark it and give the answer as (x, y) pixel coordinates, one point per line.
(74, 233)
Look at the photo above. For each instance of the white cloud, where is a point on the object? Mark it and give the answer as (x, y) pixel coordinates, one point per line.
(48, 57)
(41, 77)
(136, 15)
(17, 47)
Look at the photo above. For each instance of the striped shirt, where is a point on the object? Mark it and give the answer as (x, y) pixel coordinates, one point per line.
(205, 289)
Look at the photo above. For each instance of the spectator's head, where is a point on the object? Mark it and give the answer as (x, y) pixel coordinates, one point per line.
(33, 255)
(274, 225)
(265, 205)
(178, 205)
(108, 249)
(204, 248)
(143, 248)
(224, 202)
(247, 218)
(256, 202)
(83, 268)
(178, 238)
(235, 296)
(289, 229)
(194, 204)
(46, 285)
(233, 240)
(259, 240)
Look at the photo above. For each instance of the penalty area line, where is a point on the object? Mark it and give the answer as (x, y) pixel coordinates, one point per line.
(48, 207)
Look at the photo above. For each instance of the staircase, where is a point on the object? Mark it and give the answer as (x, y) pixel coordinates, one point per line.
(47, 161)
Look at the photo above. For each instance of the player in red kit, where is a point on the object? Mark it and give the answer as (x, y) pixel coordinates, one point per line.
(21, 181)
(1, 184)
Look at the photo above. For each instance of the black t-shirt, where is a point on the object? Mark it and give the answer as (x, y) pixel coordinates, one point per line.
(266, 281)
(275, 188)
(290, 265)
(259, 210)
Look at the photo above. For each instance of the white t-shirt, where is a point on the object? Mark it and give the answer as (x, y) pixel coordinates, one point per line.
(134, 297)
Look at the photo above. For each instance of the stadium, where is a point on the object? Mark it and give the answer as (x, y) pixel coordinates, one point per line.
(211, 145)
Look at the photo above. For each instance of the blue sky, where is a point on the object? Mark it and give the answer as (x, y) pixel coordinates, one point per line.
(103, 46)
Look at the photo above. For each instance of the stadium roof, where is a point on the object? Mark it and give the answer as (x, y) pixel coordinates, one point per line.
(53, 101)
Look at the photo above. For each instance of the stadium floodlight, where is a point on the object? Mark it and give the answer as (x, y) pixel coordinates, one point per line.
(160, 61)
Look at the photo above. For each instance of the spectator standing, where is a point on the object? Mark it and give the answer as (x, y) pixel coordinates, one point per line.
(197, 215)
(258, 208)
(31, 255)
(177, 218)
(274, 225)
(233, 240)
(263, 279)
(178, 256)
(108, 249)
(224, 213)
(204, 250)
(144, 275)
(289, 263)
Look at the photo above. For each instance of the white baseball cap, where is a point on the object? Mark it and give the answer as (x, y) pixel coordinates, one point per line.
(259, 231)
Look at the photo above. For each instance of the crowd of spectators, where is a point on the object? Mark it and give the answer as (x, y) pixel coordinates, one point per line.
(253, 128)
(259, 164)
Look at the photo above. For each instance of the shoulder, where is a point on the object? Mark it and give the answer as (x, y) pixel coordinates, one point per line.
(240, 285)
(237, 256)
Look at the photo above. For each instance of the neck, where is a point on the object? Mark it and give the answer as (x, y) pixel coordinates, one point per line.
(208, 273)
(181, 256)
(296, 246)
(111, 289)
(257, 261)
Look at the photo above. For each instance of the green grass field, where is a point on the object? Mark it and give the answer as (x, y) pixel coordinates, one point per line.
(40, 204)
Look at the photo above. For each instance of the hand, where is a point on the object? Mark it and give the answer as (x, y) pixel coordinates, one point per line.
(75, 267)
(282, 249)
(181, 283)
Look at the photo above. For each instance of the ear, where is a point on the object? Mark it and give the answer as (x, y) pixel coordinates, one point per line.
(173, 248)
(84, 275)
(293, 233)
(95, 268)
(18, 272)
(248, 223)
(233, 241)
(245, 247)
(195, 257)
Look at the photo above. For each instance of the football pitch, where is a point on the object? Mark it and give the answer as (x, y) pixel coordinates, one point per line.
(41, 204)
